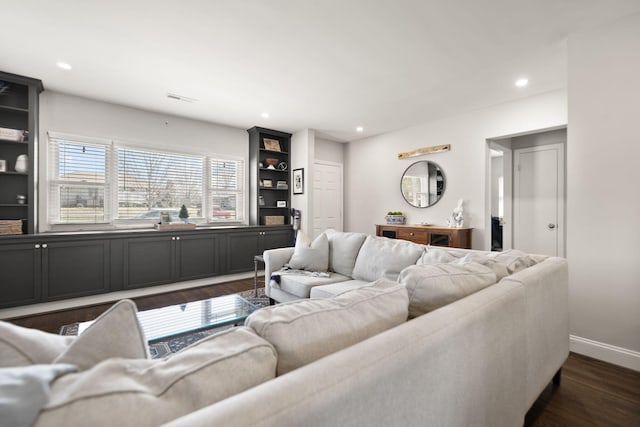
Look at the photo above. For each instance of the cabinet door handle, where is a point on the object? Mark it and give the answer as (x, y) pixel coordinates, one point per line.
(178, 238)
(37, 246)
(173, 238)
(44, 246)
(411, 234)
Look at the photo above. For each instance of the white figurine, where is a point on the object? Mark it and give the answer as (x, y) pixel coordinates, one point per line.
(458, 219)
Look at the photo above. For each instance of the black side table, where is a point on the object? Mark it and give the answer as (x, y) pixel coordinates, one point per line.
(256, 260)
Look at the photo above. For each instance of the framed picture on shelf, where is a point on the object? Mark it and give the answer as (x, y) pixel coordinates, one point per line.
(298, 181)
(267, 183)
(271, 144)
(281, 204)
(282, 185)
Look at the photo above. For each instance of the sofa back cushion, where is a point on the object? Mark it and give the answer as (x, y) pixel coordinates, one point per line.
(434, 286)
(343, 250)
(23, 346)
(150, 392)
(306, 330)
(381, 257)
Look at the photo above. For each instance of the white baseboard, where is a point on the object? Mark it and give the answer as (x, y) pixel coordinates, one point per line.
(605, 352)
(29, 310)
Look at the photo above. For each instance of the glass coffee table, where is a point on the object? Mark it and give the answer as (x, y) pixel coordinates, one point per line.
(160, 324)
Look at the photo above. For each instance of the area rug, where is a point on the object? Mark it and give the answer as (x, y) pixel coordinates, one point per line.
(165, 347)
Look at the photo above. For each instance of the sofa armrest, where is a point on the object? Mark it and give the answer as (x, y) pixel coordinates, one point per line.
(274, 260)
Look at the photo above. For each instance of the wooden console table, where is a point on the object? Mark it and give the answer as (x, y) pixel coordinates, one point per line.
(428, 234)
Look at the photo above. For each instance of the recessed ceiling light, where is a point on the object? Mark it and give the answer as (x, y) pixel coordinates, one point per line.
(522, 82)
(63, 65)
(359, 129)
(265, 115)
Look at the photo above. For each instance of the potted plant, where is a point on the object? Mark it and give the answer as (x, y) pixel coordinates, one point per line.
(184, 214)
(395, 217)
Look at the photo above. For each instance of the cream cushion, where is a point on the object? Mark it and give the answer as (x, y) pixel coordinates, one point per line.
(306, 330)
(301, 285)
(310, 256)
(23, 346)
(343, 250)
(513, 259)
(433, 286)
(115, 333)
(146, 392)
(499, 268)
(381, 257)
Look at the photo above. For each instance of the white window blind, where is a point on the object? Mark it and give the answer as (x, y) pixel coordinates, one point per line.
(99, 182)
(78, 182)
(226, 190)
(150, 182)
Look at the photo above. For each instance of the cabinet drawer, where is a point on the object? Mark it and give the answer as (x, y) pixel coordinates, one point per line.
(416, 236)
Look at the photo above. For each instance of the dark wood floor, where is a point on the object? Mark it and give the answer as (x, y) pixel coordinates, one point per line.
(592, 393)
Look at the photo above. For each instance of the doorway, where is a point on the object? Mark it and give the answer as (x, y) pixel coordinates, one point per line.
(327, 197)
(526, 192)
(538, 209)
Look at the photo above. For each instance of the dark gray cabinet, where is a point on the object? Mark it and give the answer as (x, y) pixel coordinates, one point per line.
(198, 256)
(150, 261)
(19, 120)
(41, 268)
(74, 268)
(242, 246)
(19, 274)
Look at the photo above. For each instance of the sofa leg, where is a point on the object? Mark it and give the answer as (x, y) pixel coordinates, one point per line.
(272, 301)
(557, 378)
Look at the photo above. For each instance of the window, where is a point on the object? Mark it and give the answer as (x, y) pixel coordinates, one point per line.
(150, 182)
(78, 185)
(108, 183)
(226, 193)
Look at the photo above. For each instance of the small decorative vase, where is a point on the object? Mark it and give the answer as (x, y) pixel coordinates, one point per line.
(22, 163)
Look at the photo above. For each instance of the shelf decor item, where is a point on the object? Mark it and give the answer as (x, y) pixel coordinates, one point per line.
(267, 183)
(395, 218)
(273, 220)
(298, 181)
(184, 214)
(281, 204)
(282, 185)
(22, 163)
(271, 144)
(3, 165)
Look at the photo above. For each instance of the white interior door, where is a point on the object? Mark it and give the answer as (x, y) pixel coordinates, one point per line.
(327, 197)
(538, 207)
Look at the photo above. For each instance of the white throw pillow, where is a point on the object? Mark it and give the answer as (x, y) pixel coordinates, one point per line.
(116, 333)
(24, 346)
(310, 256)
(306, 330)
(434, 286)
(151, 392)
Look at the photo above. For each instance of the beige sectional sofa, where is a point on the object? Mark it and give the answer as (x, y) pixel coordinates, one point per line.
(479, 355)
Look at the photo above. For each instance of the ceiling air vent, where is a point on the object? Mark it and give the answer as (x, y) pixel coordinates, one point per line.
(180, 97)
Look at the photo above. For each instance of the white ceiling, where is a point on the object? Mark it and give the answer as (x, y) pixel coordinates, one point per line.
(328, 65)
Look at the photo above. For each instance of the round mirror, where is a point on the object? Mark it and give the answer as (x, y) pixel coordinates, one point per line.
(422, 184)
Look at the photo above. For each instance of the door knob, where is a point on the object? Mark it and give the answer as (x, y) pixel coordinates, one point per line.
(551, 226)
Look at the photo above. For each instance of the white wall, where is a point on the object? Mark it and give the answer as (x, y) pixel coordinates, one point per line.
(329, 151)
(302, 154)
(91, 118)
(603, 174)
(373, 171)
